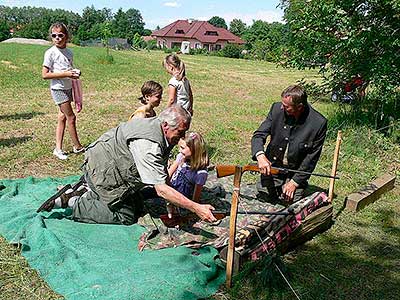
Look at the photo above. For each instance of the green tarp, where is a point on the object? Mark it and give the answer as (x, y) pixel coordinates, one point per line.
(92, 261)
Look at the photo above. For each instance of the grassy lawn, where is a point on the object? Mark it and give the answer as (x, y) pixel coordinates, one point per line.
(358, 258)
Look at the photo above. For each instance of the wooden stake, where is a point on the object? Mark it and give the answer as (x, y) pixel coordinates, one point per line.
(232, 225)
(334, 165)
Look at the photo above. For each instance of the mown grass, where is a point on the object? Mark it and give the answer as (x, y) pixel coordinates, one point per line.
(356, 259)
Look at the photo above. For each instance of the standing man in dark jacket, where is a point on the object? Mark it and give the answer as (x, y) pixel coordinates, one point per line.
(297, 133)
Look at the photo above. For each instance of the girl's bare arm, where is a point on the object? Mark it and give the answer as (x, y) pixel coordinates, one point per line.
(46, 74)
(171, 95)
(172, 168)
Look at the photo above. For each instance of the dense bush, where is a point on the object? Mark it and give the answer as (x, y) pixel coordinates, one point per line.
(151, 45)
(232, 50)
(171, 50)
(196, 51)
(4, 31)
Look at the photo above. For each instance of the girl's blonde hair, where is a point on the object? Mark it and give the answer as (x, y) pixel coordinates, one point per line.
(150, 88)
(62, 26)
(199, 158)
(175, 61)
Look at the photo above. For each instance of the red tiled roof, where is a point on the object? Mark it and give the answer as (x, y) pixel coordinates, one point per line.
(197, 30)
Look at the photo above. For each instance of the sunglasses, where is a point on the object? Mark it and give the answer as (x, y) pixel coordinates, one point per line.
(59, 35)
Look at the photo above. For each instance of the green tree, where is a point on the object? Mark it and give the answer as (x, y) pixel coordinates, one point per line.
(346, 38)
(105, 33)
(34, 22)
(218, 22)
(237, 27)
(92, 16)
(146, 32)
(127, 24)
(265, 40)
(4, 31)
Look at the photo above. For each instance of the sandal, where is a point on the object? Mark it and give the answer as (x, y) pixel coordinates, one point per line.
(48, 205)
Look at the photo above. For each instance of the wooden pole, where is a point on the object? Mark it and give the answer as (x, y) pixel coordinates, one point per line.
(232, 225)
(334, 165)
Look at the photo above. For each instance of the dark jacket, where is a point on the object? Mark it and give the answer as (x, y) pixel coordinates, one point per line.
(304, 136)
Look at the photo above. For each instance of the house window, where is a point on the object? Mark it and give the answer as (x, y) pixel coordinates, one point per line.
(179, 31)
(217, 47)
(197, 45)
(211, 33)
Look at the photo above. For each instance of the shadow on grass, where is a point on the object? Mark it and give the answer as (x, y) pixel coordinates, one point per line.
(11, 142)
(20, 116)
(342, 265)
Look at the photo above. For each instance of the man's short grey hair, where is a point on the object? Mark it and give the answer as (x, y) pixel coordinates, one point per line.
(174, 115)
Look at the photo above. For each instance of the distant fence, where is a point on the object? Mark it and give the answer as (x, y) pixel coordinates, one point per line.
(115, 43)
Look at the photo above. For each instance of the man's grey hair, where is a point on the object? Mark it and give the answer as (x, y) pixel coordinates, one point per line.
(174, 115)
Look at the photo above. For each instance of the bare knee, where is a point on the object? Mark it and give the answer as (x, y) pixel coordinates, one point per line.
(71, 118)
(61, 117)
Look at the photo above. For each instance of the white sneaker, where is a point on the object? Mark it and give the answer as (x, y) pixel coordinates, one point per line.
(60, 154)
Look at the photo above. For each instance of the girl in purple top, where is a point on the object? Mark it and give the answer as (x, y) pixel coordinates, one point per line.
(189, 171)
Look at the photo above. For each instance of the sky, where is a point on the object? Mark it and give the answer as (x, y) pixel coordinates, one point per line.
(164, 12)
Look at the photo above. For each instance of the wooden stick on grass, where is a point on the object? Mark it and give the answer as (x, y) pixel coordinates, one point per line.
(334, 165)
(232, 225)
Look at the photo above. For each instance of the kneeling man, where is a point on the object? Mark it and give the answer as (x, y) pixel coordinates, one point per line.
(297, 132)
(120, 163)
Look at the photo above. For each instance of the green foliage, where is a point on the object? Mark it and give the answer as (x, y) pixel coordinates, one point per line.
(237, 27)
(218, 22)
(4, 31)
(265, 40)
(105, 33)
(232, 50)
(171, 50)
(34, 22)
(146, 32)
(195, 51)
(151, 45)
(127, 24)
(346, 38)
(138, 41)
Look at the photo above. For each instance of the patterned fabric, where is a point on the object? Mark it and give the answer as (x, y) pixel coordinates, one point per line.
(250, 228)
(61, 96)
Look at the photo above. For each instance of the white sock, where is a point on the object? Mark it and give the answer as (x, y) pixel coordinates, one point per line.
(57, 203)
(72, 201)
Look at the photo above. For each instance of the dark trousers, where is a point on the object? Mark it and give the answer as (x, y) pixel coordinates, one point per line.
(270, 189)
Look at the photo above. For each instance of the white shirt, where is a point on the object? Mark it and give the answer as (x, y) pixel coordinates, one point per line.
(182, 91)
(58, 60)
(149, 162)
